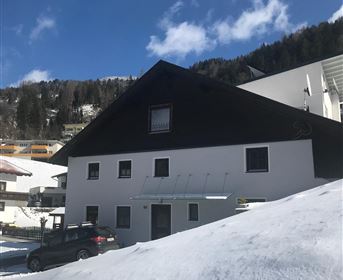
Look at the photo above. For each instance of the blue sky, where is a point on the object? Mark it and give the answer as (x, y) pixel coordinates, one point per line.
(83, 39)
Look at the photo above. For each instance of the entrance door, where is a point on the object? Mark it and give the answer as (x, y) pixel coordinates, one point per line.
(160, 221)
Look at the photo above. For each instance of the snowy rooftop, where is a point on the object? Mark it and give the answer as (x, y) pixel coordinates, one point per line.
(10, 168)
(298, 237)
(41, 173)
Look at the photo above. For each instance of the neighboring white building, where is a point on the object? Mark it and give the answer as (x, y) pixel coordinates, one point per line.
(10, 198)
(14, 188)
(326, 86)
(178, 150)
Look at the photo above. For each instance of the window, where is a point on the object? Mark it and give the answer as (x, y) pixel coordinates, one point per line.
(71, 235)
(161, 167)
(160, 118)
(123, 216)
(2, 206)
(257, 159)
(2, 186)
(93, 171)
(92, 214)
(193, 212)
(64, 185)
(124, 169)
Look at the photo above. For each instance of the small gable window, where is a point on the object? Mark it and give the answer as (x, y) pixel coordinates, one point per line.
(160, 118)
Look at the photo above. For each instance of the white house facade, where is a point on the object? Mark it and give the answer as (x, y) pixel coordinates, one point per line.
(178, 150)
(323, 77)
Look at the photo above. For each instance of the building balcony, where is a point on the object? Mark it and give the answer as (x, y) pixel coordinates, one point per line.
(39, 147)
(8, 147)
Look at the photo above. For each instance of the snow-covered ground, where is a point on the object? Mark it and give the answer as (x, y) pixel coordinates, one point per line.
(10, 249)
(89, 111)
(298, 237)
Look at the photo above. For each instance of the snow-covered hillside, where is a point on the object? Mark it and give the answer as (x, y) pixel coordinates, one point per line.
(298, 237)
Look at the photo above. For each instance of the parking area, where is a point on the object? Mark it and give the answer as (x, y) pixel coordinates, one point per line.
(12, 255)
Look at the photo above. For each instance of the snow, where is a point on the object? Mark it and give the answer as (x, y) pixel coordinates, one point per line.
(41, 173)
(58, 211)
(89, 111)
(298, 237)
(30, 217)
(10, 249)
(125, 78)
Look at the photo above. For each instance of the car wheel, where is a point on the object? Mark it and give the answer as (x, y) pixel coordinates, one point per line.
(35, 265)
(82, 255)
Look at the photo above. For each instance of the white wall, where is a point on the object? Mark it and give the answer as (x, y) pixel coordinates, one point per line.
(11, 181)
(291, 171)
(11, 206)
(288, 88)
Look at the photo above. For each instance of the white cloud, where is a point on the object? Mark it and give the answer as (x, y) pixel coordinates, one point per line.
(34, 76)
(261, 19)
(167, 18)
(43, 23)
(18, 29)
(181, 40)
(336, 15)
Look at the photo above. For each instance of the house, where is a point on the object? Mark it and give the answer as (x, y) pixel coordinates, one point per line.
(17, 177)
(316, 87)
(10, 199)
(71, 129)
(178, 150)
(45, 196)
(40, 150)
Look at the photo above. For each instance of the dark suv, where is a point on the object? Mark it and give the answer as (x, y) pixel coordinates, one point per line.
(75, 243)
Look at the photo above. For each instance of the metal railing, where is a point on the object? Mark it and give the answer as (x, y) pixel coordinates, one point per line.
(30, 233)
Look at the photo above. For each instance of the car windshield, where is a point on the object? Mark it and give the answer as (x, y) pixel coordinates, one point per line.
(104, 231)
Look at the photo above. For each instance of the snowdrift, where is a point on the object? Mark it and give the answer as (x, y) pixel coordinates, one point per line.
(298, 237)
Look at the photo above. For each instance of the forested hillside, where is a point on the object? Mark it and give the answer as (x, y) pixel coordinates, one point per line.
(301, 47)
(39, 110)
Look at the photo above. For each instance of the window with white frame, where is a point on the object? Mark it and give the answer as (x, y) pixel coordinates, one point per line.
(257, 159)
(93, 171)
(125, 167)
(193, 212)
(161, 167)
(123, 217)
(3, 186)
(160, 118)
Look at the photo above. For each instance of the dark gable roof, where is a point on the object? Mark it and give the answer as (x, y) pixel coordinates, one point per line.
(205, 112)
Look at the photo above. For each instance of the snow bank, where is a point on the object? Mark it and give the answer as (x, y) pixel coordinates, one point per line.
(298, 237)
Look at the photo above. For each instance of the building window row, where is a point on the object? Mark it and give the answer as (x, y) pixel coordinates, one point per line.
(256, 158)
(123, 214)
(161, 169)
